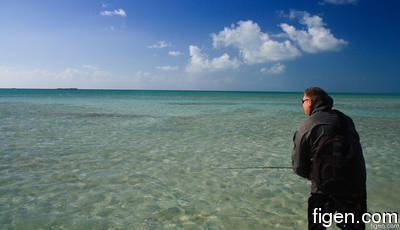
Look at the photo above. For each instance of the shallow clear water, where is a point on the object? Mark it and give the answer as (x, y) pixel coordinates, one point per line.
(93, 159)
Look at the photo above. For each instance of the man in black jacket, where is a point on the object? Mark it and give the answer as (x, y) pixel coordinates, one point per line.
(322, 126)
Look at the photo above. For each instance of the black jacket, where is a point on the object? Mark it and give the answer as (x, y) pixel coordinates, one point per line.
(324, 123)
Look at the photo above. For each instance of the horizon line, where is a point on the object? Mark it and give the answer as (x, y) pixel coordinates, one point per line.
(196, 90)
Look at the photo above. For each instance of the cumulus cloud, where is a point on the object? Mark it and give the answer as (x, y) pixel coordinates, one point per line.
(199, 61)
(339, 2)
(174, 53)
(168, 68)
(275, 69)
(119, 12)
(316, 37)
(254, 45)
(159, 45)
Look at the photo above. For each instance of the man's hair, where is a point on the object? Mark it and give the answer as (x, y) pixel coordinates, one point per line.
(315, 93)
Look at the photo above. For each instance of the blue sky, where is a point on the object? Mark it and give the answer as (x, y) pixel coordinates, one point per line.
(340, 45)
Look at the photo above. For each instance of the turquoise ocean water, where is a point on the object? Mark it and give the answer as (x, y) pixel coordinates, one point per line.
(102, 159)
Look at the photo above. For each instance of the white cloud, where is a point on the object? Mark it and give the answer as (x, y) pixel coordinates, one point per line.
(159, 45)
(90, 67)
(93, 77)
(141, 73)
(199, 62)
(174, 53)
(257, 47)
(119, 12)
(85, 72)
(339, 2)
(141, 76)
(168, 68)
(254, 45)
(316, 38)
(275, 69)
(85, 76)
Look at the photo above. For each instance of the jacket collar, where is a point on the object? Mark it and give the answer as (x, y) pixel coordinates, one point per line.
(322, 104)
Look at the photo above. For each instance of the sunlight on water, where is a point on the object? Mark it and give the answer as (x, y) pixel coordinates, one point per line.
(158, 159)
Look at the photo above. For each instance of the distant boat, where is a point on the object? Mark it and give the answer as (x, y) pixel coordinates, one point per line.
(67, 88)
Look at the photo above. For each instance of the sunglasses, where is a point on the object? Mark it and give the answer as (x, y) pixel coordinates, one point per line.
(303, 100)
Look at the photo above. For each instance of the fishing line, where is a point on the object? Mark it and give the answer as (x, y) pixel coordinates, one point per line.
(255, 167)
(245, 168)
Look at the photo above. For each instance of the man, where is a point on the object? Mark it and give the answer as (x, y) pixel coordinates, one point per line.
(326, 126)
